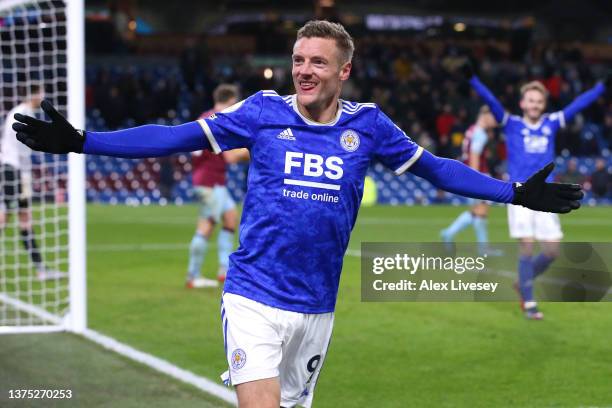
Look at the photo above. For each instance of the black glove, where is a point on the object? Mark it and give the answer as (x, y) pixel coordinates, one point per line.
(57, 136)
(539, 195)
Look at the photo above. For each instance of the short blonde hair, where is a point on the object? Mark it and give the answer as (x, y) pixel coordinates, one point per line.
(534, 86)
(334, 31)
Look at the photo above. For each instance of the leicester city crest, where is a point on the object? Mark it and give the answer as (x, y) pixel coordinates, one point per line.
(238, 359)
(349, 140)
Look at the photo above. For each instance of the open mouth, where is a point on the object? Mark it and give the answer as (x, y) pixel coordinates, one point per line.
(306, 86)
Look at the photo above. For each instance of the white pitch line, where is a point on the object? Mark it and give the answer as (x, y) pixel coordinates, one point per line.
(165, 367)
(30, 308)
(30, 329)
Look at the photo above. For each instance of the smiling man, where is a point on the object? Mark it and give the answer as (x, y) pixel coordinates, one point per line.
(309, 156)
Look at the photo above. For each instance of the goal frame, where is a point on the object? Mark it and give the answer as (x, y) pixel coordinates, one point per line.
(76, 318)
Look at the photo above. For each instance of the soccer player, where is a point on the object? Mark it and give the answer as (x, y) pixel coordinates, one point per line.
(530, 141)
(309, 156)
(217, 204)
(16, 181)
(474, 155)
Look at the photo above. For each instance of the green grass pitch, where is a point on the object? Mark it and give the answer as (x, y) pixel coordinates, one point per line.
(382, 354)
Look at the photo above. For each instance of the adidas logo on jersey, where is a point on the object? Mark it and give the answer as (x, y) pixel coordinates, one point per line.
(286, 134)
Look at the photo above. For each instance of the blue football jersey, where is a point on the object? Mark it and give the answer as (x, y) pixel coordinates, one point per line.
(304, 188)
(530, 147)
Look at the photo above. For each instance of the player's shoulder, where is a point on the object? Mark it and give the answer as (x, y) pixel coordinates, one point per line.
(270, 97)
(515, 119)
(553, 116)
(259, 97)
(353, 108)
(360, 111)
(251, 105)
(274, 108)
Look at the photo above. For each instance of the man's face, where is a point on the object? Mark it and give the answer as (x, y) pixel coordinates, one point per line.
(533, 104)
(318, 71)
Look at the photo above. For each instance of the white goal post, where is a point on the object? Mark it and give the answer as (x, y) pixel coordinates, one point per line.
(42, 43)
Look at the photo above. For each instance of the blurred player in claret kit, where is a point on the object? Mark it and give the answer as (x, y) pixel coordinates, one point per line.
(16, 182)
(530, 140)
(474, 155)
(217, 205)
(309, 156)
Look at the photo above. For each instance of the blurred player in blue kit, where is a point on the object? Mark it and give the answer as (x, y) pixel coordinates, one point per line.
(310, 152)
(474, 155)
(530, 141)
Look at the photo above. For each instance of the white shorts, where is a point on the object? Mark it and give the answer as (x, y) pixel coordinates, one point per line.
(526, 223)
(266, 342)
(215, 201)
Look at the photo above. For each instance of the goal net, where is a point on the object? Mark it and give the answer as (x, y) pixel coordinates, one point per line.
(41, 204)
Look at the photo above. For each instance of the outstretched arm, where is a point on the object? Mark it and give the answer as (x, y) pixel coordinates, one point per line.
(58, 136)
(496, 107)
(582, 102)
(146, 141)
(535, 193)
(455, 177)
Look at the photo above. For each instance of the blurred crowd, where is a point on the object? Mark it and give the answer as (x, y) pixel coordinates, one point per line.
(598, 181)
(417, 83)
(422, 89)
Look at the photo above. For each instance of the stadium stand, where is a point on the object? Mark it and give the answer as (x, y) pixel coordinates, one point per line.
(431, 103)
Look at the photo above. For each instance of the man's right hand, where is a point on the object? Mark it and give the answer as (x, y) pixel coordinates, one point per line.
(539, 195)
(57, 136)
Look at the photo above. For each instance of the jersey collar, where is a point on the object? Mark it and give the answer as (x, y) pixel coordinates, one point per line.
(312, 122)
(536, 125)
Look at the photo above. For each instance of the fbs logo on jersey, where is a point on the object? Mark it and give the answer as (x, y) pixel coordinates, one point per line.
(238, 359)
(286, 134)
(349, 140)
(314, 165)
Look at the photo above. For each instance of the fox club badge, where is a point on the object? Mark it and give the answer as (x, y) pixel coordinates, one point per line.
(238, 359)
(349, 140)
